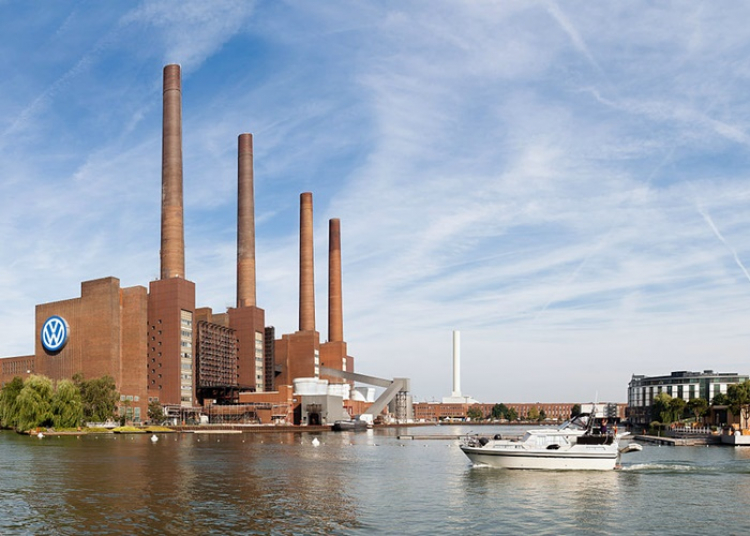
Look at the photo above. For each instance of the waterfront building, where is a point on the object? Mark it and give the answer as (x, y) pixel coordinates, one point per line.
(679, 384)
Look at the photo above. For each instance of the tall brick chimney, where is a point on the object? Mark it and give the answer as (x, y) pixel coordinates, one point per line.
(172, 228)
(306, 275)
(335, 305)
(245, 223)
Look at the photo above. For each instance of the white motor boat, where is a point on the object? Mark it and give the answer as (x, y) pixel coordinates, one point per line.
(572, 446)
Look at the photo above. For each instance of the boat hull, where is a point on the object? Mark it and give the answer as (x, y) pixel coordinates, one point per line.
(601, 459)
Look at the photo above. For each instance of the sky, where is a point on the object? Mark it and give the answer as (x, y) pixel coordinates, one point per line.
(565, 183)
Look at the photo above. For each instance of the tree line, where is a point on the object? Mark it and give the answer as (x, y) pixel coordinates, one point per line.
(667, 409)
(37, 402)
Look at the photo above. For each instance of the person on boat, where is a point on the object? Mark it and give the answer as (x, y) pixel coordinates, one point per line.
(604, 427)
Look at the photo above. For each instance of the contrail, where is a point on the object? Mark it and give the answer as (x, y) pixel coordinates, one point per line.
(710, 223)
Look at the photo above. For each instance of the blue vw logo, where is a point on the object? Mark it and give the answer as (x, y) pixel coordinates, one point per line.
(54, 333)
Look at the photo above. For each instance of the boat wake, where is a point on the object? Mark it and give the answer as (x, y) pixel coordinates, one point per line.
(659, 468)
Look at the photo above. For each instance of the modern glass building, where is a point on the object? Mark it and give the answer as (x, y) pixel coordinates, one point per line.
(683, 384)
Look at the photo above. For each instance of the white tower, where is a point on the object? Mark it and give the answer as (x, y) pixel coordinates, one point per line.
(456, 397)
(456, 365)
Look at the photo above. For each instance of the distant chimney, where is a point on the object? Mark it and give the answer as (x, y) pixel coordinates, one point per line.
(245, 223)
(456, 364)
(306, 258)
(172, 227)
(335, 305)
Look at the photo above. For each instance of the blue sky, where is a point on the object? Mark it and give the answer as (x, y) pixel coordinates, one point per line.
(566, 183)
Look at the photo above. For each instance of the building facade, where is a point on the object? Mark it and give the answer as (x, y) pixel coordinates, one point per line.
(642, 390)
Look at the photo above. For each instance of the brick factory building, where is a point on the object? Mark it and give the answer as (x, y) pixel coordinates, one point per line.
(435, 412)
(158, 346)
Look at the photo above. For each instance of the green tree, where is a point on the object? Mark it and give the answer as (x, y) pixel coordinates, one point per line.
(67, 407)
(9, 403)
(35, 403)
(155, 411)
(739, 400)
(677, 407)
(99, 398)
(660, 409)
(575, 411)
(499, 411)
(512, 414)
(475, 413)
(719, 399)
(542, 415)
(533, 414)
(698, 407)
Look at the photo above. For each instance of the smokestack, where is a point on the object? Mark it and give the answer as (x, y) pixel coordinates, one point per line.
(335, 306)
(245, 223)
(306, 276)
(172, 229)
(456, 364)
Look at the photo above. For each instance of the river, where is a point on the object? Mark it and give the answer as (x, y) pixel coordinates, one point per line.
(353, 483)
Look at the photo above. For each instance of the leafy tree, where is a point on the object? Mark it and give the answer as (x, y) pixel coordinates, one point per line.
(677, 407)
(67, 407)
(720, 399)
(739, 399)
(698, 406)
(499, 411)
(155, 411)
(575, 411)
(99, 398)
(9, 402)
(512, 414)
(660, 409)
(475, 413)
(533, 414)
(35, 403)
(542, 415)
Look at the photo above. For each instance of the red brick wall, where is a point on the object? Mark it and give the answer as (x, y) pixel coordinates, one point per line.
(167, 299)
(246, 321)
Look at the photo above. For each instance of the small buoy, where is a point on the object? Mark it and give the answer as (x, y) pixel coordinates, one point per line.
(154, 438)
(40, 435)
(315, 442)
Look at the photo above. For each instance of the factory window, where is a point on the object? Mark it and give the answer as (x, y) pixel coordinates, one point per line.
(159, 332)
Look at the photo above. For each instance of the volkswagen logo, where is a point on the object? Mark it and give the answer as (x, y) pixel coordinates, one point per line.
(54, 334)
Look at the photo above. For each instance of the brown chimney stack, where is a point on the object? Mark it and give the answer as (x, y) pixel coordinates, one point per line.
(335, 302)
(306, 275)
(245, 223)
(172, 229)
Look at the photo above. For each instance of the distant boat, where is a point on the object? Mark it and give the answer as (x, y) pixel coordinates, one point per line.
(355, 425)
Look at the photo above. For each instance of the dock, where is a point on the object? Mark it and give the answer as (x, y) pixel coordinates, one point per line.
(697, 441)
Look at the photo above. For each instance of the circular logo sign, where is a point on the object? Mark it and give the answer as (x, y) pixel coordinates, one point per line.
(54, 333)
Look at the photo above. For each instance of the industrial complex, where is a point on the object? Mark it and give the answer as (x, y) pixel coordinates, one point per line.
(159, 346)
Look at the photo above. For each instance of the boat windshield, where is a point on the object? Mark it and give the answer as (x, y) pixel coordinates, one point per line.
(579, 422)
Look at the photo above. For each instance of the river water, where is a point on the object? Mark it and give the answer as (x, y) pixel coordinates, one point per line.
(353, 483)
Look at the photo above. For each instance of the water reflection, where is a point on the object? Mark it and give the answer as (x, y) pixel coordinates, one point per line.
(352, 483)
